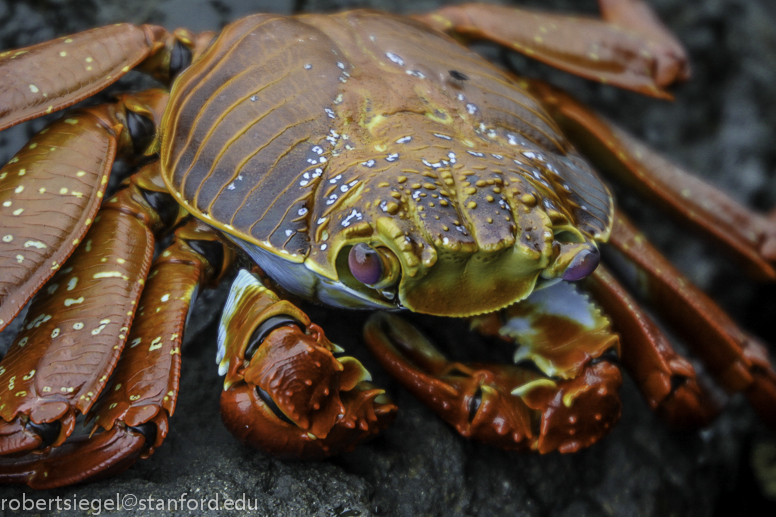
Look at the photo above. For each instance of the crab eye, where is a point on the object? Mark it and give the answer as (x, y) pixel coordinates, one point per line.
(365, 264)
(583, 264)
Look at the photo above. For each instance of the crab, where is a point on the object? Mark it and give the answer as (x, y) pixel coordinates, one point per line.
(359, 253)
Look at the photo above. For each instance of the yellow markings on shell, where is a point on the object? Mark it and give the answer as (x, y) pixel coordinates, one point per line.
(135, 342)
(78, 194)
(21, 393)
(134, 397)
(33, 145)
(19, 189)
(103, 324)
(166, 297)
(80, 173)
(55, 333)
(89, 59)
(35, 244)
(50, 108)
(34, 89)
(54, 265)
(63, 190)
(78, 326)
(22, 172)
(46, 389)
(71, 121)
(42, 190)
(7, 238)
(66, 390)
(72, 283)
(19, 258)
(118, 387)
(73, 301)
(62, 54)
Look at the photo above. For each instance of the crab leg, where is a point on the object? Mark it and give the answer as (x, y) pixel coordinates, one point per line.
(667, 381)
(51, 190)
(143, 389)
(749, 236)
(629, 48)
(285, 392)
(567, 401)
(737, 360)
(90, 61)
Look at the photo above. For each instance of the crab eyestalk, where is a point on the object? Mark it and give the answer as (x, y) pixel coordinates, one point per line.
(285, 392)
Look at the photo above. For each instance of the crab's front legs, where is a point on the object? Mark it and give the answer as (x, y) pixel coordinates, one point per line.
(285, 391)
(562, 395)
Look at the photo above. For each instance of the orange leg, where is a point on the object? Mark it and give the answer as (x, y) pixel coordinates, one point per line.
(143, 388)
(750, 237)
(629, 48)
(567, 401)
(285, 392)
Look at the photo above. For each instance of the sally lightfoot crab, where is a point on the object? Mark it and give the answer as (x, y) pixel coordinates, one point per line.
(361, 160)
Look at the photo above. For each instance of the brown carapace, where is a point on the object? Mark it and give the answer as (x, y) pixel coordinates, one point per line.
(360, 160)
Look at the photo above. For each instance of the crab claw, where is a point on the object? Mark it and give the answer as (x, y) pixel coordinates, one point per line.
(285, 392)
(507, 405)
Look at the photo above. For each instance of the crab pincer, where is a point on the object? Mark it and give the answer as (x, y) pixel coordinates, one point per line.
(285, 391)
(567, 399)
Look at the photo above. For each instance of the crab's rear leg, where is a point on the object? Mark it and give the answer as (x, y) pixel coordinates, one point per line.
(141, 395)
(285, 390)
(56, 74)
(562, 395)
(629, 47)
(748, 236)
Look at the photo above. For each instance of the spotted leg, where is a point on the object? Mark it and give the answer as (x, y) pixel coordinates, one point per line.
(562, 395)
(629, 47)
(130, 418)
(285, 391)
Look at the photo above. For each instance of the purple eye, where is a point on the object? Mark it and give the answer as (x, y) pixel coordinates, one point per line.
(583, 264)
(365, 264)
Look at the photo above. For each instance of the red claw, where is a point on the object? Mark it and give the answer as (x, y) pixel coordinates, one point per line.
(292, 397)
(502, 405)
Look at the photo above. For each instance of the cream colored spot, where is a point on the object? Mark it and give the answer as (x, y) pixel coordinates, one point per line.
(19, 258)
(71, 121)
(89, 242)
(72, 283)
(78, 194)
(46, 389)
(33, 145)
(19, 189)
(69, 40)
(6, 203)
(73, 301)
(78, 326)
(49, 109)
(155, 344)
(80, 173)
(88, 68)
(118, 387)
(18, 211)
(7, 238)
(22, 172)
(120, 260)
(35, 244)
(89, 59)
(55, 333)
(34, 89)
(62, 54)
(42, 190)
(63, 190)
(166, 297)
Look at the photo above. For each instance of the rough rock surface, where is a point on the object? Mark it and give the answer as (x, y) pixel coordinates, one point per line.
(721, 125)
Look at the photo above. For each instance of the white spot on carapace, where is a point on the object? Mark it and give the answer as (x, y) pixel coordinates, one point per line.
(392, 157)
(471, 109)
(35, 244)
(395, 58)
(34, 89)
(7, 238)
(19, 258)
(19, 189)
(135, 342)
(329, 112)
(166, 297)
(324, 246)
(18, 211)
(416, 73)
(55, 332)
(404, 140)
(308, 66)
(155, 344)
(443, 137)
(78, 326)
(73, 301)
(7, 203)
(302, 211)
